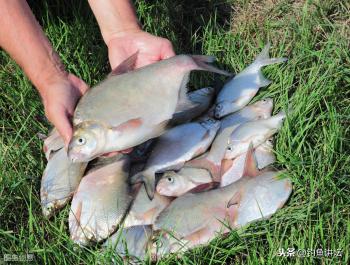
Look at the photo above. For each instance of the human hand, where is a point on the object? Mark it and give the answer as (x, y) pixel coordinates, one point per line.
(60, 98)
(150, 48)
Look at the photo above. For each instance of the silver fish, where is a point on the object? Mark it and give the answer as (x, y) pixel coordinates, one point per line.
(232, 170)
(60, 179)
(100, 202)
(251, 208)
(201, 216)
(212, 160)
(130, 108)
(201, 98)
(243, 87)
(143, 210)
(255, 132)
(132, 242)
(175, 147)
(165, 243)
(178, 183)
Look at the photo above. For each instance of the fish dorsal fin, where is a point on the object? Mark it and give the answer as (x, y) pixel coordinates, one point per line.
(203, 63)
(126, 66)
(264, 54)
(250, 165)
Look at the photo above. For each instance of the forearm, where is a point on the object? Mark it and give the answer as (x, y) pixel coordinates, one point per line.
(22, 37)
(114, 17)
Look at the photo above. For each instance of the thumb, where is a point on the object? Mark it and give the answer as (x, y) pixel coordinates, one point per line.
(167, 50)
(61, 121)
(78, 83)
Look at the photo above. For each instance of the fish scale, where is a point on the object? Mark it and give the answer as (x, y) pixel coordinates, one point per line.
(100, 202)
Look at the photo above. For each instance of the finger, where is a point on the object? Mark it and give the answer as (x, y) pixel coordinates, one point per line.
(78, 83)
(167, 50)
(61, 121)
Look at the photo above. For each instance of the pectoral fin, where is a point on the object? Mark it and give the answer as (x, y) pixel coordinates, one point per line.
(207, 164)
(205, 187)
(235, 199)
(226, 164)
(250, 165)
(129, 125)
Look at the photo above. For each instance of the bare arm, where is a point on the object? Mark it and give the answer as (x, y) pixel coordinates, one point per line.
(114, 17)
(123, 36)
(22, 37)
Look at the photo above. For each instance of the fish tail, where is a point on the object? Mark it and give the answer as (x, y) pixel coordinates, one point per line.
(207, 164)
(203, 63)
(264, 59)
(148, 180)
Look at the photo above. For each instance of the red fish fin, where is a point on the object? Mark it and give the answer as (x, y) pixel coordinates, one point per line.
(202, 64)
(207, 164)
(226, 164)
(78, 212)
(235, 199)
(130, 124)
(126, 66)
(205, 187)
(250, 165)
(149, 215)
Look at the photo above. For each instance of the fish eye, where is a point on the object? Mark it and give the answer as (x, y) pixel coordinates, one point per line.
(229, 148)
(260, 117)
(170, 179)
(81, 141)
(264, 100)
(219, 107)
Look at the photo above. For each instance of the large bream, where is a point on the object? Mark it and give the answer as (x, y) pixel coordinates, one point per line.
(129, 108)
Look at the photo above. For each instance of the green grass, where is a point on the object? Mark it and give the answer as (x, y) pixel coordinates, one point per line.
(313, 144)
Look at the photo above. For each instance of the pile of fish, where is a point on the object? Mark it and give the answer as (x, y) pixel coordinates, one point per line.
(201, 163)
